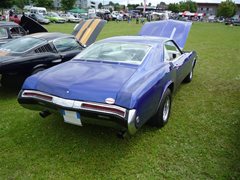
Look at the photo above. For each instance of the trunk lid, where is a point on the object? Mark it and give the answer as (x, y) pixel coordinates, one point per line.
(86, 81)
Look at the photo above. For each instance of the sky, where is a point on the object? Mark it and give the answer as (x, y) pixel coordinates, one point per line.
(155, 2)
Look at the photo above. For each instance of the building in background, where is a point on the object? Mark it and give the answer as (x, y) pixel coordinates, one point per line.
(211, 8)
(82, 4)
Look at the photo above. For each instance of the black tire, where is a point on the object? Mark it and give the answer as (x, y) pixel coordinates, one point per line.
(164, 109)
(189, 77)
(35, 71)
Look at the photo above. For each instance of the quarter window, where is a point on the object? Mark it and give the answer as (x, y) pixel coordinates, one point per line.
(66, 44)
(171, 52)
(16, 31)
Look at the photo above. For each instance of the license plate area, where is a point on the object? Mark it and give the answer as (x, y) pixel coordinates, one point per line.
(71, 117)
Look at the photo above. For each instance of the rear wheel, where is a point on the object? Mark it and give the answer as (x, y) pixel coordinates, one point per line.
(35, 71)
(189, 77)
(162, 115)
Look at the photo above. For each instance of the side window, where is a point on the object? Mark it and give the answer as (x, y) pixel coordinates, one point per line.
(16, 31)
(171, 52)
(66, 44)
(3, 33)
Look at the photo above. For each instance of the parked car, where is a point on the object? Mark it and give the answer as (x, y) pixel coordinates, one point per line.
(54, 17)
(36, 52)
(70, 18)
(235, 20)
(39, 18)
(11, 30)
(122, 82)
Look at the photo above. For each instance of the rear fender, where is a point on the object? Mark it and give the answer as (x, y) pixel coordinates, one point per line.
(168, 84)
(39, 66)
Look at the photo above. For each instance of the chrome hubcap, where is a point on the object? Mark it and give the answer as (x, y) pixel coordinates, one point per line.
(166, 109)
(191, 74)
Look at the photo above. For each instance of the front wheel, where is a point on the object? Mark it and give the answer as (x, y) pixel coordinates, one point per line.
(162, 115)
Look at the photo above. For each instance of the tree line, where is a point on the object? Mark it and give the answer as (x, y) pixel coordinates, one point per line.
(225, 9)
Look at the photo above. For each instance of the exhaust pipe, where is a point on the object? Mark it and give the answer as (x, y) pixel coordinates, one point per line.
(44, 113)
(122, 134)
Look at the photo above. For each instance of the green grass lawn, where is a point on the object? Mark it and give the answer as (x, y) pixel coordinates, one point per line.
(201, 140)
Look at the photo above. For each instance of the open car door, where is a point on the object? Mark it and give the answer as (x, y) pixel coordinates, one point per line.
(86, 32)
(31, 26)
(173, 29)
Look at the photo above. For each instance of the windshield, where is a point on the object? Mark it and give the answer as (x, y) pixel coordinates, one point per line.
(116, 52)
(21, 45)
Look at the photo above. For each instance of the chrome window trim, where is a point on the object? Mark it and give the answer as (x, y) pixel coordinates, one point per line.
(68, 103)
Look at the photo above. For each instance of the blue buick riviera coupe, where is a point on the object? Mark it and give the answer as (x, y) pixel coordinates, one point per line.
(122, 82)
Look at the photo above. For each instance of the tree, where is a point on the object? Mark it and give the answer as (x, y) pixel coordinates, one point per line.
(227, 9)
(67, 4)
(132, 6)
(117, 7)
(43, 3)
(100, 6)
(111, 3)
(174, 7)
(21, 3)
(162, 6)
(188, 6)
(149, 4)
(6, 3)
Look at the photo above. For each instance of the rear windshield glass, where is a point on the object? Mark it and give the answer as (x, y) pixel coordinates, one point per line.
(132, 53)
(21, 45)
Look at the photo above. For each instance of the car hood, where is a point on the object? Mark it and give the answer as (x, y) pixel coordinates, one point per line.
(173, 29)
(80, 80)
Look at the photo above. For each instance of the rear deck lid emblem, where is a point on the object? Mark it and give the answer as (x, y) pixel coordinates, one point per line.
(110, 101)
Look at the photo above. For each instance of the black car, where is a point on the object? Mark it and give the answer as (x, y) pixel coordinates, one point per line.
(232, 21)
(39, 18)
(36, 52)
(11, 30)
(33, 53)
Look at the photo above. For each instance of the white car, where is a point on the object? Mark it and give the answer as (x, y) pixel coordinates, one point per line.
(70, 18)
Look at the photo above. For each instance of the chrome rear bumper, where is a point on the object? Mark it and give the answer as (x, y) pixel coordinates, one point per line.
(36, 100)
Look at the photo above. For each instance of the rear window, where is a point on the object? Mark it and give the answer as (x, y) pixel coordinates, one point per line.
(21, 45)
(121, 52)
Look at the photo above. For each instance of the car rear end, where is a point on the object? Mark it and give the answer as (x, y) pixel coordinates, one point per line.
(80, 112)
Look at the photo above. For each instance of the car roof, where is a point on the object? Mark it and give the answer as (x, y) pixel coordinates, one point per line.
(149, 40)
(49, 36)
(8, 24)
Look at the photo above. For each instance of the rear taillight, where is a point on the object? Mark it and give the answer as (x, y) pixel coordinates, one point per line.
(37, 95)
(106, 109)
